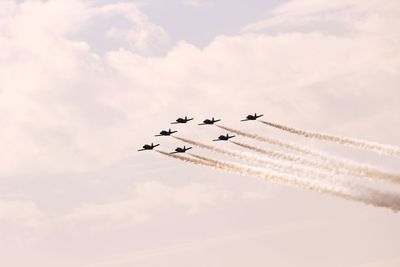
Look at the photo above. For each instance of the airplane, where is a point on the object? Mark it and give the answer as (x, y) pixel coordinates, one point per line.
(182, 120)
(181, 150)
(166, 133)
(224, 137)
(252, 117)
(209, 122)
(148, 147)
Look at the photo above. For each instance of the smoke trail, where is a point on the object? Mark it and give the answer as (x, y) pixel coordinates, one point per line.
(286, 156)
(328, 163)
(368, 196)
(280, 166)
(375, 147)
(270, 141)
(187, 159)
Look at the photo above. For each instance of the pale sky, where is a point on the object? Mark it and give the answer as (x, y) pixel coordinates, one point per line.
(84, 84)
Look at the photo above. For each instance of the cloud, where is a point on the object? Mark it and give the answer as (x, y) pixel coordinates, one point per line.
(145, 201)
(331, 18)
(390, 262)
(24, 213)
(65, 107)
(141, 205)
(197, 3)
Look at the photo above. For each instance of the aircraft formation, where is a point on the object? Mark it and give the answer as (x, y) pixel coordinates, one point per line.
(205, 122)
(294, 164)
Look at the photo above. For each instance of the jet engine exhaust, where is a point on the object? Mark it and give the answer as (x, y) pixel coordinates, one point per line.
(356, 143)
(270, 163)
(327, 163)
(365, 195)
(270, 141)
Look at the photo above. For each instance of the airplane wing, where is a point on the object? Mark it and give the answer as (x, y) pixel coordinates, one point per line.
(175, 122)
(218, 140)
(244, 120)
(159, 135)
(143, 149)
(202, 124)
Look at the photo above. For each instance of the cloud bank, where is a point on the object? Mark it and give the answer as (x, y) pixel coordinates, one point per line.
(65, 107)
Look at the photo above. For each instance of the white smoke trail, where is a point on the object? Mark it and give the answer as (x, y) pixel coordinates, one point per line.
(375, 147)
(277, 165)
(286, 156)
(368, 196)
(329, 163)
(270, 141)
(187, 159)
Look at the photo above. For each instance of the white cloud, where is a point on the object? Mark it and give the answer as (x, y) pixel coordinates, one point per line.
(20, 212)
(65, 108)
(197, 3)
(146, 199)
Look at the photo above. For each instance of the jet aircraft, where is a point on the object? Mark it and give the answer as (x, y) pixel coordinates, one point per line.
(252, 117)
(166, 133)
(182, 120)
(148, 147)
(224, 137)
(181, 149)
(209, 122)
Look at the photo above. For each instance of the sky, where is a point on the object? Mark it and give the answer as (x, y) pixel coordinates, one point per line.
(85, 83)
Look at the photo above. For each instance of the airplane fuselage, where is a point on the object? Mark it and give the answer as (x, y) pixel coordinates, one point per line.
(166, 133)
(252, 117)
(148, 147)
(181, 150)
(182, 120)
(209, 122)
(224, 138)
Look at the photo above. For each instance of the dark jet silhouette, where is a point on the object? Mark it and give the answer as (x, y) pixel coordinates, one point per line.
(181, 149)
(182, 120)
(148, 147)
(209, 122)
(166, 133)
(252, 117)
(224, 137)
